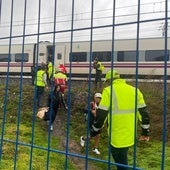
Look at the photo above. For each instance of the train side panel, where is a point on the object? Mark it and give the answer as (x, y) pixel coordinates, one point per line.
(149, 60)
(16, 58)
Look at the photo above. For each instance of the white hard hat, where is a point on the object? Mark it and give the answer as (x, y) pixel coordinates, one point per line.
(60, 69)
(99, 95)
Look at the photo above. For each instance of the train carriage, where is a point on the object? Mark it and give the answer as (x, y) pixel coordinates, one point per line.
(150, 56)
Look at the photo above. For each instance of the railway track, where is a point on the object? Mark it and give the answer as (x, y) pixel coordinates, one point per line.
(28, 80)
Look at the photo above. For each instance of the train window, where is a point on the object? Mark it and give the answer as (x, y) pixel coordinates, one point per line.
(21, 57)
(59, 56)
(5, 58)
(78, 57)
(102, 56)
(155, 55)
(50, 50)
(126, 56)
(41, 54)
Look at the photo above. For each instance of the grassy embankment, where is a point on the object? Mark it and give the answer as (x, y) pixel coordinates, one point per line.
(25, 139)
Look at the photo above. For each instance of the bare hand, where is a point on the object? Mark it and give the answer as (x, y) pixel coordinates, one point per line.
(144, 138)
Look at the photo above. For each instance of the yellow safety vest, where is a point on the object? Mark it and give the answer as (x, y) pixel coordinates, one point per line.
(50, 69)
(121, 116)
(101, 67)
(60, 75)
(39, 79)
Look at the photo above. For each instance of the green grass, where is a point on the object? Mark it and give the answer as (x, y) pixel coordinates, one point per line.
(25, 138)
(25, 144)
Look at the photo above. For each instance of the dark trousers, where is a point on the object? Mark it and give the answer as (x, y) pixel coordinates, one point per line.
(98, 79)
(51, 115)
(54, 114)
(120, 156)
(40, 92)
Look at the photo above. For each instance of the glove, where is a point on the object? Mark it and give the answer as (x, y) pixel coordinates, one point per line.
(145, 132)
(144, 138)
(145, 135)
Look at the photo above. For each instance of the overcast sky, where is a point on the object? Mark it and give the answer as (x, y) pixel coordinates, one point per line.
(125, 12)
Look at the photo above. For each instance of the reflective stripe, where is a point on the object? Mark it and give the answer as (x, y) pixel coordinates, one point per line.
(141, 106)
(145, 126)
(116, 109)
(95, 129)
(130, 111)
(115, 103)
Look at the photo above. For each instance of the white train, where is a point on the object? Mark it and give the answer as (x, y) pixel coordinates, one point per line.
(153, 57)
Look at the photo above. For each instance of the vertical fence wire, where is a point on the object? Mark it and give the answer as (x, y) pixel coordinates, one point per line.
(69, 89)
(20, 89)
(89, 81)
(164, 129)
(136, 81)
(35, 88)
(111, 87)
(7, 82)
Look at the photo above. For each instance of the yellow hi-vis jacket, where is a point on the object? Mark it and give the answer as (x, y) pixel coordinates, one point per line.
(60, 75)
(50, 69)
(99, 66)
(39, 81)
(121, 115)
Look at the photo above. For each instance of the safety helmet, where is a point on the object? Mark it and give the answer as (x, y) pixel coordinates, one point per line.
(98, 95)
(59, 69)
(112, 73)
(61, 64)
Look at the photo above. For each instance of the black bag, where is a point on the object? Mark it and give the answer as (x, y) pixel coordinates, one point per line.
(47, 114)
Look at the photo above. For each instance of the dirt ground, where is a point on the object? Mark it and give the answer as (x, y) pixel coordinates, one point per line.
(73, 146)
(156, 127)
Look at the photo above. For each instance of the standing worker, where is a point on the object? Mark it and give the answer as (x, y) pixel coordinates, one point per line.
(50, 71)
(127, 102)
(98, 66)
(40, 83)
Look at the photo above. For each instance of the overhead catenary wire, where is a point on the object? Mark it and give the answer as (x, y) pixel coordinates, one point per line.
(63, 21)
(20, 23)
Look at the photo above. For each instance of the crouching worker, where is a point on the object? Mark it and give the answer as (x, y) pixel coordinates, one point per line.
(54, 101)
(96, 136)
(61, 79)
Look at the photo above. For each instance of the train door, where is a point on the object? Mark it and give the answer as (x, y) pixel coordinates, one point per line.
(39, 57)
(59, 54)
(40, 53)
